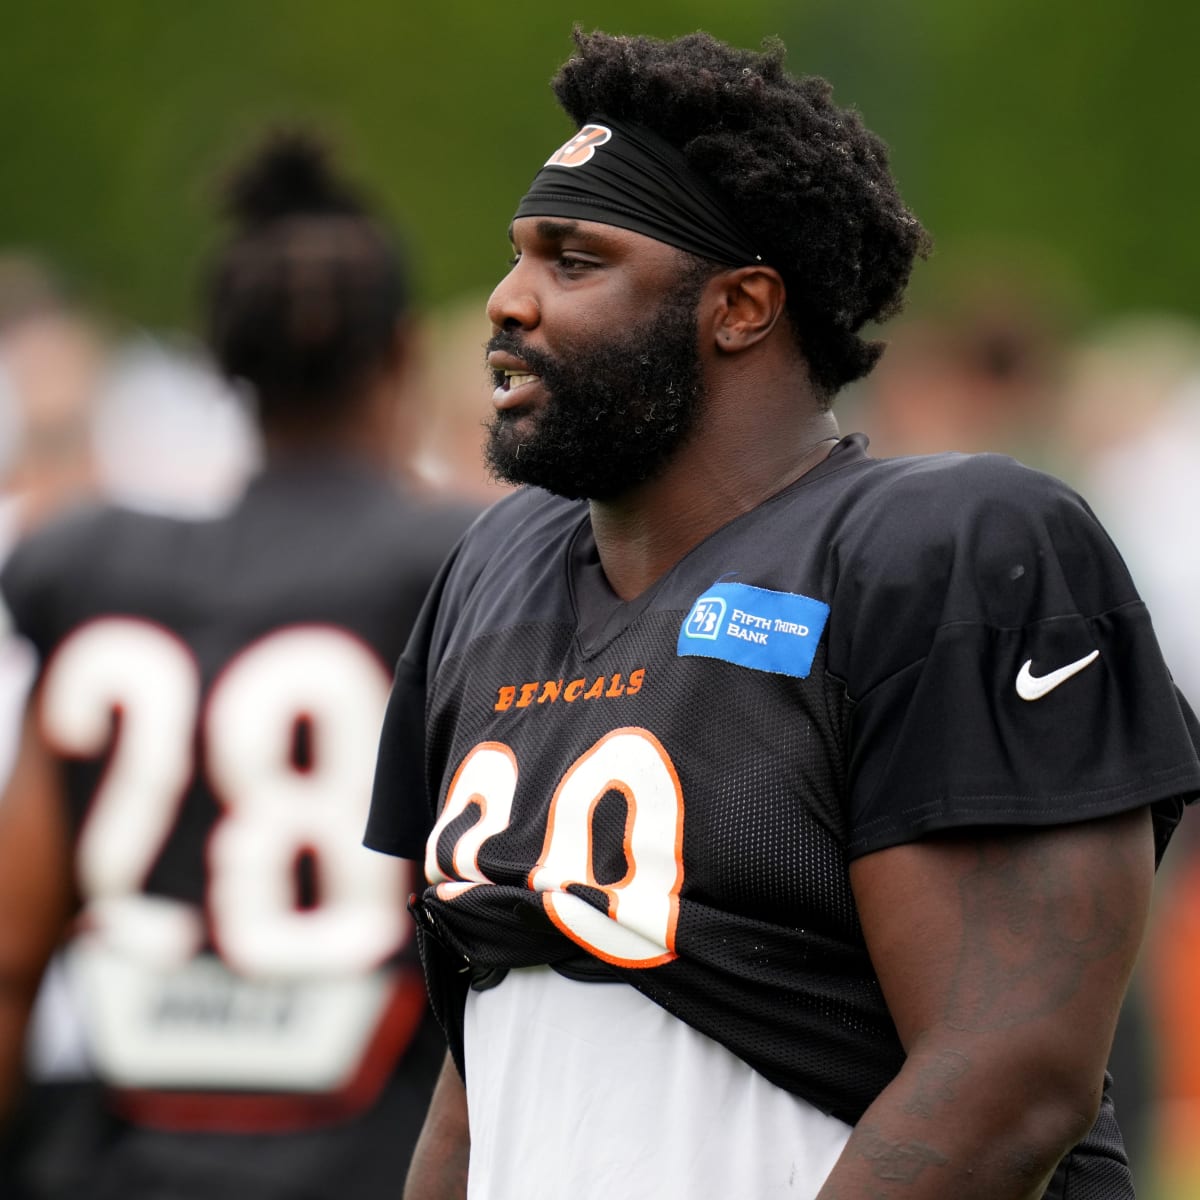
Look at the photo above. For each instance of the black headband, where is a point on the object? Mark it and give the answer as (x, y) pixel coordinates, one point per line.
(627, 176)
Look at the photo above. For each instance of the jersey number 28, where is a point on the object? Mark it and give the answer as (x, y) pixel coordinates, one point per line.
(133, 689)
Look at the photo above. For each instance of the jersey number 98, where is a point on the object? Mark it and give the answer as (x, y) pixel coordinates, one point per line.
(638, 929)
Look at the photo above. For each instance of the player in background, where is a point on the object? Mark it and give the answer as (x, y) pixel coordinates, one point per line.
(187, 804)
(51, 364)
(788, 815)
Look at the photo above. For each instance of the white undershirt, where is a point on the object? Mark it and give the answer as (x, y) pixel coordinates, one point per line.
(592, 1091)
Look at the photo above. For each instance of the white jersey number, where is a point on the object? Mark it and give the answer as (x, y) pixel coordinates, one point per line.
(643, 907)
(133, 689)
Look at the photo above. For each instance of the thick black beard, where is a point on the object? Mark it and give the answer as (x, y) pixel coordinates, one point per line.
(615, 412)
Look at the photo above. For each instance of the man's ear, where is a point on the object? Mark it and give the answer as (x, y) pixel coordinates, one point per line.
(749, 303)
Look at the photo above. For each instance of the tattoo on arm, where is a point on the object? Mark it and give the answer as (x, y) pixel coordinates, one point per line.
(894, 1161)
(935, 1083)
(1030, 929)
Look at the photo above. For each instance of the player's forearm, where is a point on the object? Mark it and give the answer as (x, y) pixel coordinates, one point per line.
(928, 1138)
(439, 1164)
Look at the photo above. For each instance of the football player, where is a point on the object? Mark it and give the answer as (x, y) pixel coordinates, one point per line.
(197, 754)
(788, 816)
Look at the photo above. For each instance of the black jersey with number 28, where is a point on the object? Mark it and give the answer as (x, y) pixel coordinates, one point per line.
(214, 690)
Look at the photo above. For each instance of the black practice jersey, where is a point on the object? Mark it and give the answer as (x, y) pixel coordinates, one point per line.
(670, 790)
(215, 690)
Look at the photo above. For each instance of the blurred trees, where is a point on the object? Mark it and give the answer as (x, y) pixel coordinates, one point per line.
(1064, 128)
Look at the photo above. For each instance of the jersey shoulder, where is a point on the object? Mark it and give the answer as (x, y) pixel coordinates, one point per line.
(415, 524)
(64, 557)
(969, 527)
(938, 498)
(507, 570)
(319, 513)
(517, 527)
(519, 538)
(919, 545)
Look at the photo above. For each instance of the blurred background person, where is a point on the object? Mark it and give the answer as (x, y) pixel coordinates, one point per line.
(148, 422)
(169, 434)
(975, 364)
(1130, 436)
(51, 363)
(189, 796)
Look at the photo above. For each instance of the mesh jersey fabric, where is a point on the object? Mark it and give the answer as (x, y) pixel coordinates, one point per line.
(942, 576)
(314, 543)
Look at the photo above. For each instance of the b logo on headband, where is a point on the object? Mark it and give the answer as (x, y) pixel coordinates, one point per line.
(581, 147)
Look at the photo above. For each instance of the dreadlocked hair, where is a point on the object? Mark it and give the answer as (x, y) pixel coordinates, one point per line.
(303, 299)
(807, 179)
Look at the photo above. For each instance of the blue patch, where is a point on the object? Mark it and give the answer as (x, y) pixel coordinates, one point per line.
(755, 628)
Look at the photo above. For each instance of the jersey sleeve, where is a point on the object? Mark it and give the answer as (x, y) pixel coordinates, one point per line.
(22, 596)
(1000, 666)
(39, 576)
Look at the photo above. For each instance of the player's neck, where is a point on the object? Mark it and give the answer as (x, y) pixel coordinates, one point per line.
(361, 434)
(332, 445)
(720, 474)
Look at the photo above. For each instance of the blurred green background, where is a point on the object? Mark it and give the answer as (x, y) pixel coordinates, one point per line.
(1063, 132)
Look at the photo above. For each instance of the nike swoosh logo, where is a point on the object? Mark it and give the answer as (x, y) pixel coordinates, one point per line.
(1034, 687)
